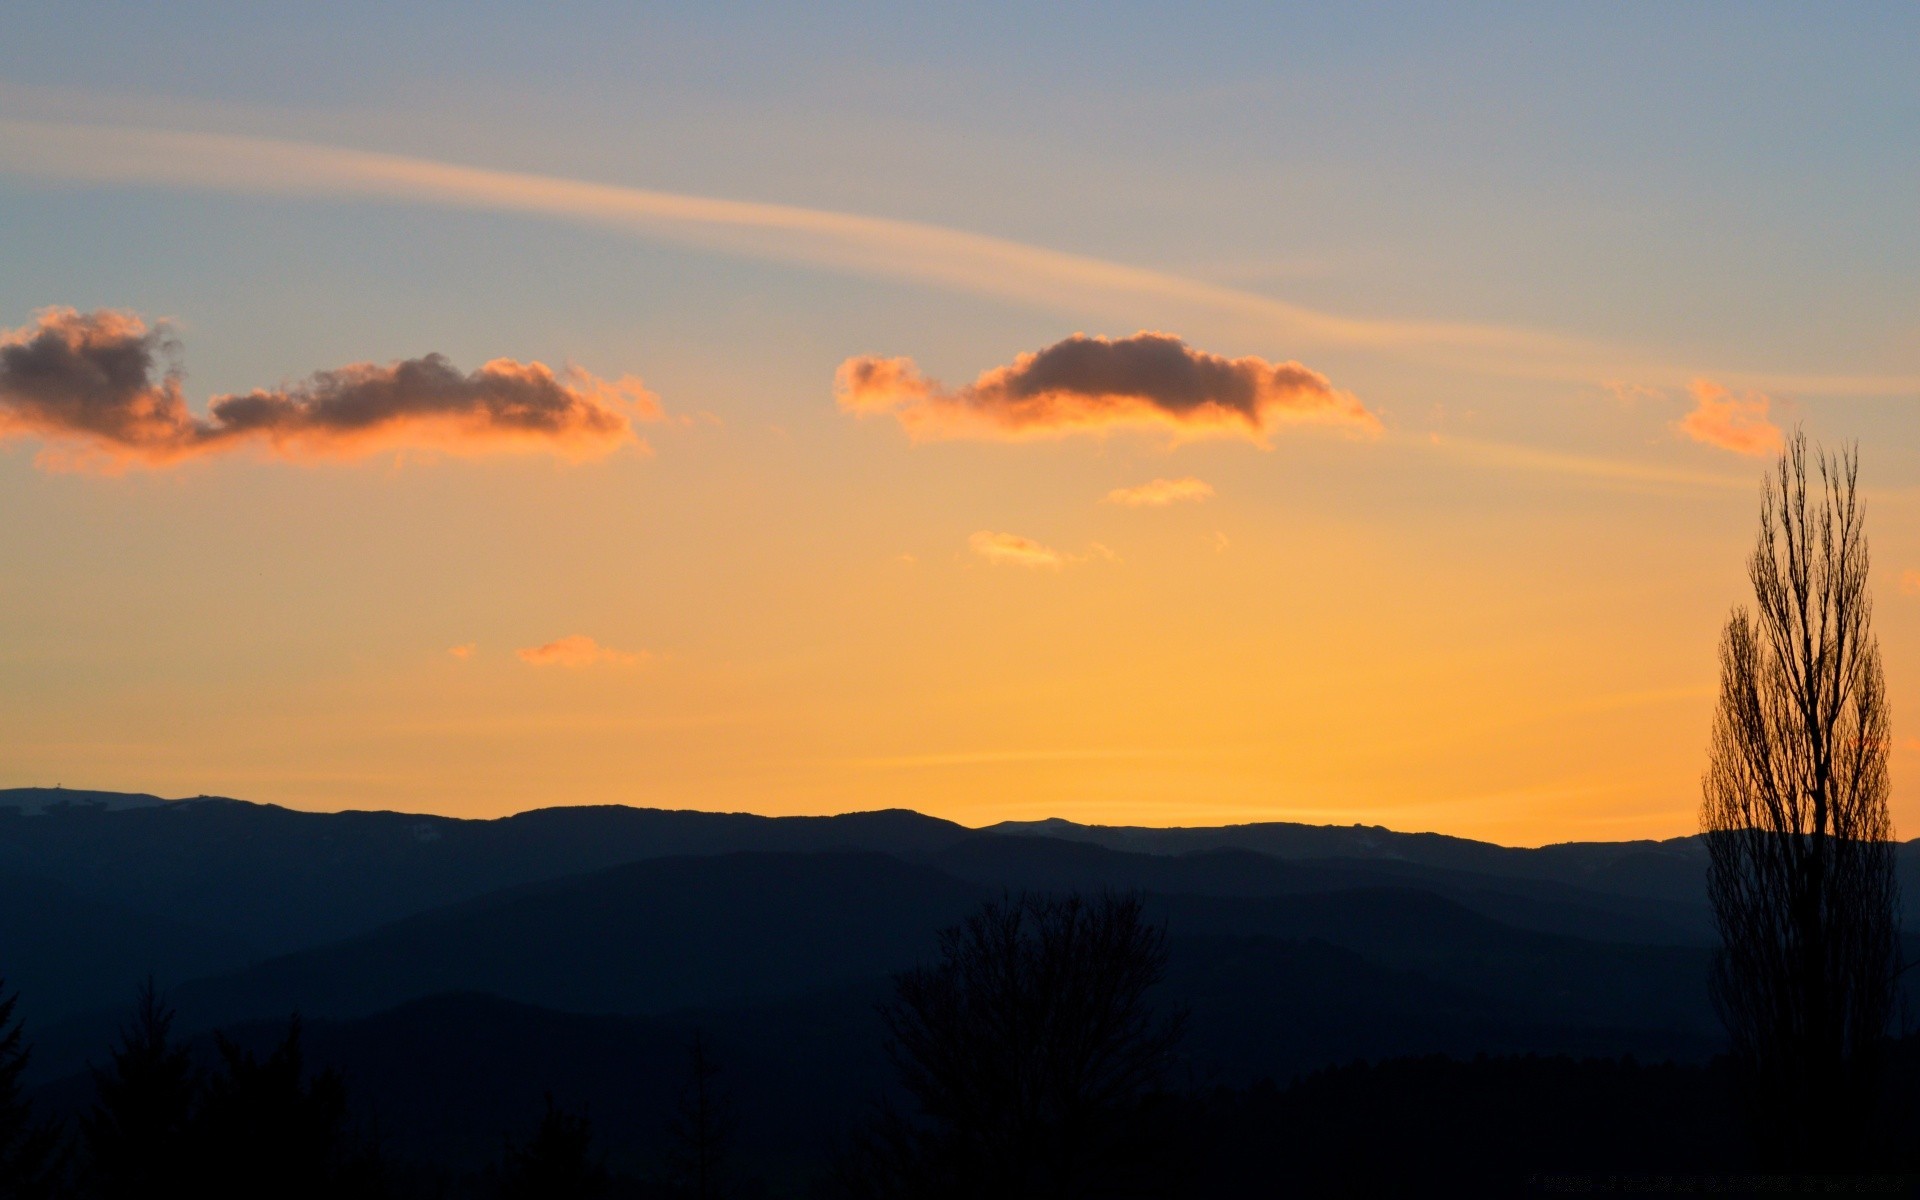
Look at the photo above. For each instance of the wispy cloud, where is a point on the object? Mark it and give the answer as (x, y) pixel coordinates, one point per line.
(1162, 492)
(1910, 583)
(93, 385)
(464, 650)
(874, 246)
(1736, 423)
(1622, 474)
(1010, 549)
(578, 652)
(1095, 385)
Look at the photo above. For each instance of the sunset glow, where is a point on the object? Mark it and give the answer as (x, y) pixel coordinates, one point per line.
(1327, 428)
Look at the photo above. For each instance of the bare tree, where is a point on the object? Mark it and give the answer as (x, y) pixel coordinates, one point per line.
(1028, 1049)
(1796, 819)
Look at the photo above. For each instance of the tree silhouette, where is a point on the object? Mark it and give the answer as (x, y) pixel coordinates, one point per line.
(267, 1128)
(1027, 1048)
(558, 1163)
(136, 1132)
(30, 1151)
(701, 1130)
(1796, 820)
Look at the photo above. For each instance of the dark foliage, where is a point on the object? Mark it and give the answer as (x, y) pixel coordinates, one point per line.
(1485, 1127)
(266, 1127)
(30, 1151)
(557, 1163)
(1028, 1050)
(136, 1133)
(701, 1131)
(254, 1127)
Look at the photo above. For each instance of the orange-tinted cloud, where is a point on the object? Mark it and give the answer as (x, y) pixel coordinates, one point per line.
(463, 650)
(1161, 492)
(578, 651)
(1096, 384)
(92, 384)
(1010, 549)
(1736, 423)
(1910, 583)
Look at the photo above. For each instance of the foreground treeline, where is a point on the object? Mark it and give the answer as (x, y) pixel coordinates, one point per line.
(1031, 1060)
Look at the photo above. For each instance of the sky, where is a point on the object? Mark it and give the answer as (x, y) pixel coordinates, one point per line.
(1132, 414)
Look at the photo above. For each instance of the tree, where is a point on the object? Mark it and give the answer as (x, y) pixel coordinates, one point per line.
(266, 1127)
(702, 1127)
(1796, 819)
(1028, 1049)
(30, 1152)
(556, 1164)
(135, 1134)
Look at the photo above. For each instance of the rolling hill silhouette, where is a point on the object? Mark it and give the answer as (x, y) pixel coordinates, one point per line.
(457, 970)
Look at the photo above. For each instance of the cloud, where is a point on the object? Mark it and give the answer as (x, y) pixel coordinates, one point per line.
(1736, 423)
(579, 651)
(1161, 492)
(96, 153)
(99, 153)
(463, 650)
(101, 387)
(1010, 549)
(1630, 394)
(1910, 583)
(1096, 384)
(1013, 550)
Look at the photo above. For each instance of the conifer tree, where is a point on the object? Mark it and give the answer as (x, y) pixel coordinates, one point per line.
(30, 1157)
(265, 1128)
(558, 1163)
(136, 1133)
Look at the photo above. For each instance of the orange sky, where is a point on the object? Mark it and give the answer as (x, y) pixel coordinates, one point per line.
(1361, 438)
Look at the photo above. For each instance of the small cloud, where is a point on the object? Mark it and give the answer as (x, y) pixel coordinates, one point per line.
(1161, 492)
(578, 652)
(1220, 543)
(1010, 549)
(1630, 394)
(905, 560)
(1096, 385)
(1013, 550)
(93, 386)
(1910, 583)
(1736, 423)
(463, 650)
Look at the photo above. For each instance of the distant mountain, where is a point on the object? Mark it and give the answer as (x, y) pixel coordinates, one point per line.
(249, 911)
(276, 879)
(734, 930)
(67, 951)
(1664, 870)
(1033, 861)
(643, 938)
(35, 801)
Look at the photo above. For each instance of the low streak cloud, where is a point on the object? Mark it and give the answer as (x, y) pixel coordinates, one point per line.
(1012, 550)
(1083, 384)
(1737, 423)
(1161, 492)
(102, 390)
(578, 652)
